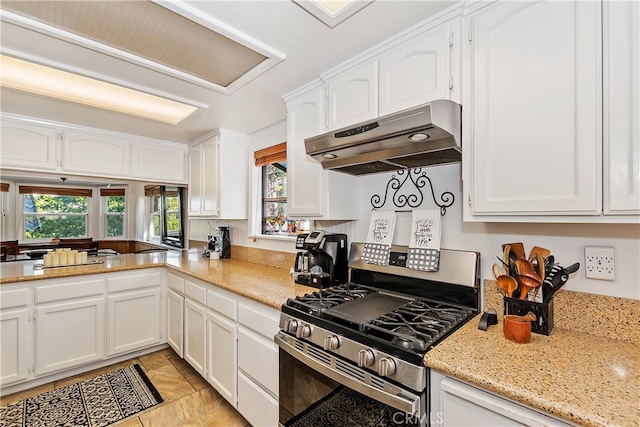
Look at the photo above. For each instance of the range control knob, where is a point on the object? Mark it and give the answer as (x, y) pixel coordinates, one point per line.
(365, 358)
(292, 326)
(303, 331)
(331, 342)
(386, 367)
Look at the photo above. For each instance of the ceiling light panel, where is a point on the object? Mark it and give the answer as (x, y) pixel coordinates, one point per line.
(150, 31)
(27, 76)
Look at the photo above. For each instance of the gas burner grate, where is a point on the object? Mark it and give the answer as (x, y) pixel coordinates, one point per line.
(418, 324)
(324, 299)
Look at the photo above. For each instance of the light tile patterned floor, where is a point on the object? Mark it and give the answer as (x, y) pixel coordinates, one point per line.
(189, 401)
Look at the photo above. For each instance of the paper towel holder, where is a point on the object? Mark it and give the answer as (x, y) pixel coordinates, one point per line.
(414, 197)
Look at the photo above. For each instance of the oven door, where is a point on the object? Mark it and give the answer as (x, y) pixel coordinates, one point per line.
(314, 385)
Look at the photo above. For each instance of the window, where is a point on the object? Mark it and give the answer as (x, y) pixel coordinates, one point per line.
(165, 214)
(50, 212)
(274, 219)
(114, 208)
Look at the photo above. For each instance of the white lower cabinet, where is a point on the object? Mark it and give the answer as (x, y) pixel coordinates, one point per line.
(195, 316)
(258, 363)
(69, 334)
(133, 320)
(257, 406)
(15, 334)
(175, 313)
(222, 356)
(462, 405)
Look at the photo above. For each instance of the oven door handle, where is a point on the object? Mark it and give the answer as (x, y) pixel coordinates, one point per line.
(393, 395)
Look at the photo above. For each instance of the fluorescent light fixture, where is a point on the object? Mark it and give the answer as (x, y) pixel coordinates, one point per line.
(332, 12)
(39, 79)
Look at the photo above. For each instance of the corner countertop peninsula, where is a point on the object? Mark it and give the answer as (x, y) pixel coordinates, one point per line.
(268, 285)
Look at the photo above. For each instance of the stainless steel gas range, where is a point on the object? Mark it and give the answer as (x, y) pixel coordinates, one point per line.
(353, 354)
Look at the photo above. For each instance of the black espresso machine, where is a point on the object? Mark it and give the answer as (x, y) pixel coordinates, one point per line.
(323, 262)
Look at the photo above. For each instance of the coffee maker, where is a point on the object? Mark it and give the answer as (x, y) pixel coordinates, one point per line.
(323, 261)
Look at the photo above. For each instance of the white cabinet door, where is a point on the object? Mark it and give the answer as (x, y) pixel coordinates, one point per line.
(210, 183)
(420, 70)
(96, 154)
(28, 146)
(69, 334)
(133, 320)
(311, 191)
(621, 107)
(194, 334)
(462, 405)
(254, 404)
(14, 345)
(159, 161)
(218, 176)
(195, 180)
(175, 321)
(222, 366)
(353, 96)
(533, 109)
(305, 118)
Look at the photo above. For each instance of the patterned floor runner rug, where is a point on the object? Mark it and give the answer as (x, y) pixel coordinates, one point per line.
(97, 402)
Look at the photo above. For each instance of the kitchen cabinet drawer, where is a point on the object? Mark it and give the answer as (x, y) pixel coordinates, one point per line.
(223, 302)
(175, 282)
(133, 281)
(258, 359)
(195, 292)
(261, 318)
(255, 404)
(65, 291)
(16, 297)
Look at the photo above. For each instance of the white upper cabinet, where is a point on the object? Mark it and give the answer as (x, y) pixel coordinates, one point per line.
(48, 147)
(532, 115)
(421, 70)
(353, 96)
(96, 154)
(313, 192)
(161, 162)
(218, 175)
(621, 107)
(25, 145)
(415, 68)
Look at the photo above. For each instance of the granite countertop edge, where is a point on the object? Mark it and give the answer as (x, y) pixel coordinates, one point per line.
(595, 381)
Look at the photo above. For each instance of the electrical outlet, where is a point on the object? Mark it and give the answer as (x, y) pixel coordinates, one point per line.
(599, 262)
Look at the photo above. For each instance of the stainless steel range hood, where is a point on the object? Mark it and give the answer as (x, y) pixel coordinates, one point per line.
(421, 136)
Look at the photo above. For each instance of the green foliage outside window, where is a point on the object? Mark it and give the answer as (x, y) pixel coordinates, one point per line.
(115, 216)
(49, 216)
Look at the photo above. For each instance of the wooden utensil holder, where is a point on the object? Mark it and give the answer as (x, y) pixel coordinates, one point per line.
(543, 311)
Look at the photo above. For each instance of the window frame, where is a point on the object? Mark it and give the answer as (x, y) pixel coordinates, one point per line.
(105, 193)
(24, 189)
(163, 237)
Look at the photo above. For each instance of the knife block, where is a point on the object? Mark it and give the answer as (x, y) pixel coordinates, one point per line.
(543, 311)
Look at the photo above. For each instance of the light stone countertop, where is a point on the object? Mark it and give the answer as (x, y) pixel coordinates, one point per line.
(587, 379)
(268, 285)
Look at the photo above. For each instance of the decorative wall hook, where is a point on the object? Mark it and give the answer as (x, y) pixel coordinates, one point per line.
(406, 187)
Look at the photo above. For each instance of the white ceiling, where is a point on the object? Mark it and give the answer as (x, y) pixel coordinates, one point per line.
(309, 47)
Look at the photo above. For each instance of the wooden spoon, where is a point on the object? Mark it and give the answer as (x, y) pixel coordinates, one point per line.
(508, 284)
(516, 248)
(527, 283)
(496, 271)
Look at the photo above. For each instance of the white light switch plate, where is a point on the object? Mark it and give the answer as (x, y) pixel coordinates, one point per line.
(599, 262)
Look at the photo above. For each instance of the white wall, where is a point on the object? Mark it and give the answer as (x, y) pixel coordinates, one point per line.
(566, 241)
